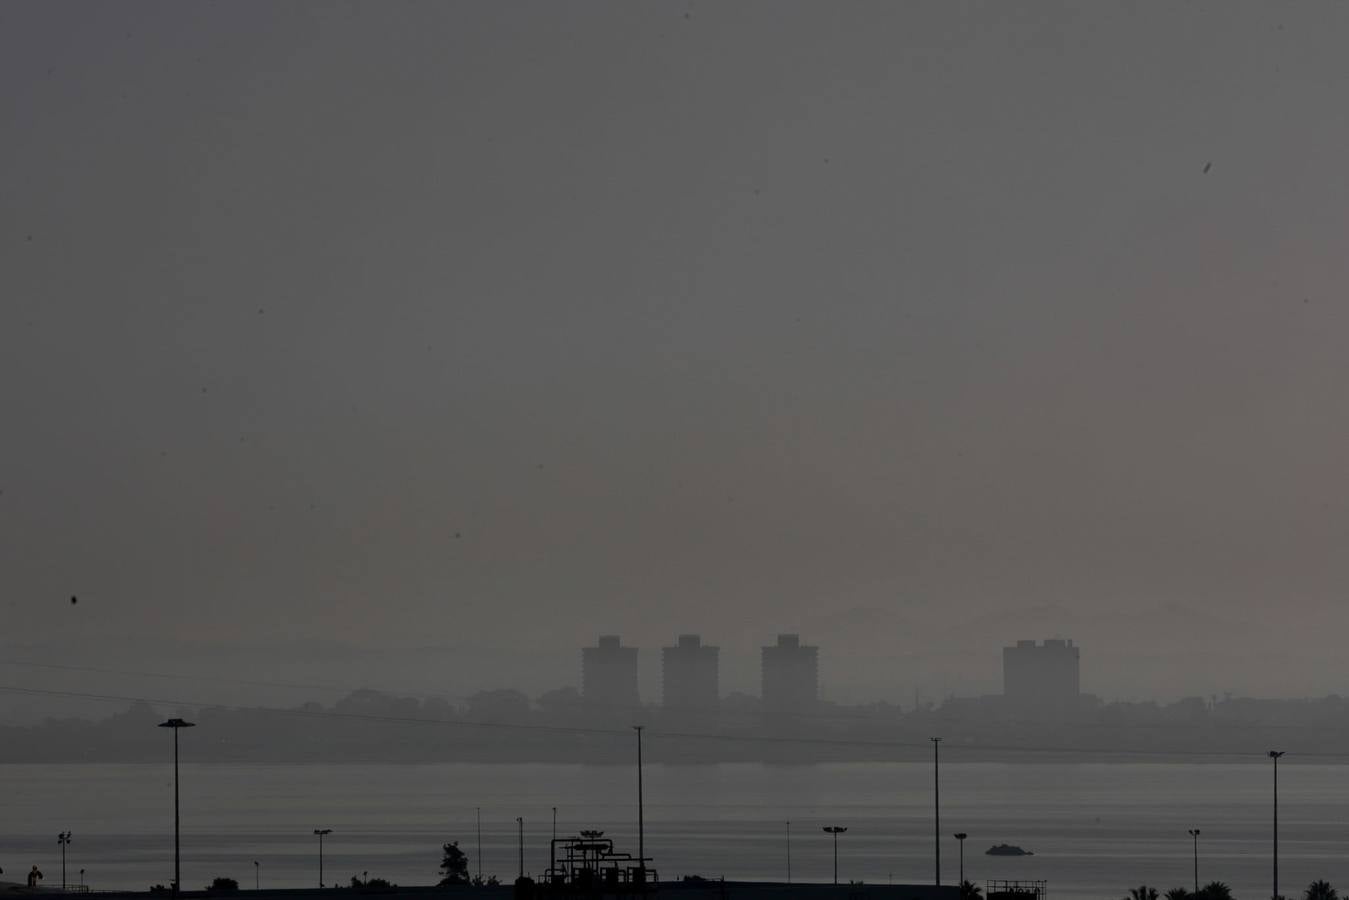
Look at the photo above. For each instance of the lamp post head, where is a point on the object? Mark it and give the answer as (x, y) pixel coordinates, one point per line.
(960, 835)
(322, 831)
(177, 723)
(1194, 832)
(833, 829)
(1275, 754)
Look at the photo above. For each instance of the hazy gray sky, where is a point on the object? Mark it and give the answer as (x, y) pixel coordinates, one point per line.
(917, 328)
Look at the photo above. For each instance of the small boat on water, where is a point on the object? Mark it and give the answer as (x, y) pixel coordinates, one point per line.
(1007, 850)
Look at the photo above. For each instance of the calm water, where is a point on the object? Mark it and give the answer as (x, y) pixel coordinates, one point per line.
(1095, 829)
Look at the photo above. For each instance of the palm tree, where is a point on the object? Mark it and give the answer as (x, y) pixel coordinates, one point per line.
(1143, 892)
(1177, 893)
(1215, 890)
(971, 891)
(1320, 890)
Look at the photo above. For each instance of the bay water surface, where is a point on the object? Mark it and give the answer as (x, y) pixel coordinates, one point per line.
(1095, 829)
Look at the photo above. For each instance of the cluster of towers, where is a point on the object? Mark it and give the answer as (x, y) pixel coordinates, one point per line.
(690, 678)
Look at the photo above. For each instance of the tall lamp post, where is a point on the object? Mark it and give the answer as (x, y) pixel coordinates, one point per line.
(641, 811)
(176, 724)
(789, 851)
(520, 820)
(1274, 755)
(321, 832)
(936, 807)
(64, 840)
(835, 830)
(1194, 833)
(960, 842)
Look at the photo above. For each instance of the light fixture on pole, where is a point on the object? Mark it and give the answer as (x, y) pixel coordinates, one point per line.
(479, 843)
(789, 851)
(177, 725)
(1194, 833)
(960, 842)
(835, 830)
(64, 840)
(322, 833)
(257, 875)
(1274, 755)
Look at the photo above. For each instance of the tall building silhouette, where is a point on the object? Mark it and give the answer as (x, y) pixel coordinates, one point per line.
(689, 677)
(1041, 677)
(609, 674)
(791, 675)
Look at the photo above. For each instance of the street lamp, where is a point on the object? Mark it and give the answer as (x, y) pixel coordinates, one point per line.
(176, 724)
(257, 875)
(641, 812)
(520, 820)
(960, 838)
(936, 807)
(835, 830)
(479, 809)
(1274, 755)
(81, 879)
(321, 832)
(1194, 833)
(789, 851)
(64, 840)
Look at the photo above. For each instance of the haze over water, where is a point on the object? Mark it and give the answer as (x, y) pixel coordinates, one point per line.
(1095, 829)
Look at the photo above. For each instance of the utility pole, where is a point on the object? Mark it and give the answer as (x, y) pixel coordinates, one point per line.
(1274, 755)
(321, 832)
(936, 806)
(64, 840)
(641, 812)
(520, 820)
(1194, 833)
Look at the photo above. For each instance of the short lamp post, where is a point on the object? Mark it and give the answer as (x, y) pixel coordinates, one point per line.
(960, 842)
(835, 830)
(257, 875)
(321, 832)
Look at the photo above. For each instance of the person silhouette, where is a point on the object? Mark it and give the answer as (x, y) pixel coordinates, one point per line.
(34, 876)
